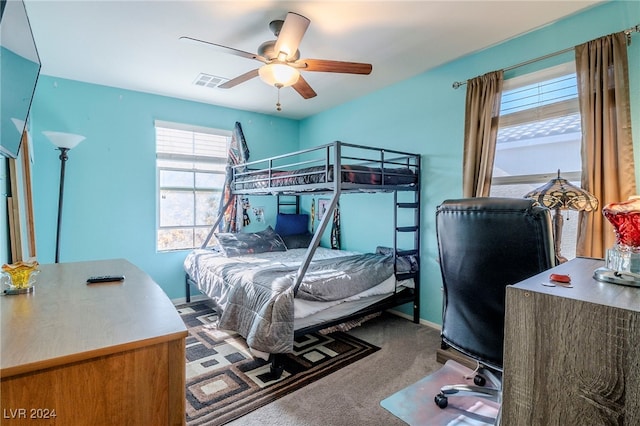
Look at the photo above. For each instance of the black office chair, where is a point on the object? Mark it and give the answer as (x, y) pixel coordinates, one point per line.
(484, 245)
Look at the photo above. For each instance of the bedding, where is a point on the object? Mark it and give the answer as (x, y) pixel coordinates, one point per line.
(255, 292)
(404, 264)
(298, 240)
(236, 244)
(310, 175)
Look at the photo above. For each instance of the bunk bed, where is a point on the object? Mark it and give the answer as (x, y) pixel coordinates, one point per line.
(332, 169)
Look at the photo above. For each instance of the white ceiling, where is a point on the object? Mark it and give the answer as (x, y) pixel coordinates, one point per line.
(135, 44)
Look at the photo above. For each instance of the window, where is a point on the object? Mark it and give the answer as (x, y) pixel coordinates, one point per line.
(539, 134)
(190, 163)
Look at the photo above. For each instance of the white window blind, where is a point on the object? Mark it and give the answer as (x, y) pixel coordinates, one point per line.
(543, 95)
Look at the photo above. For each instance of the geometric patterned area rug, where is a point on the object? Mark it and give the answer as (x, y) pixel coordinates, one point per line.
(224, 381)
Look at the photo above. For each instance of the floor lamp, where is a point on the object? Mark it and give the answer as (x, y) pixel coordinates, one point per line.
(64, 142)
(559, 194)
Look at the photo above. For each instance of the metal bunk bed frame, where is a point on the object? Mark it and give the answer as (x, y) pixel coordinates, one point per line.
(332, 159)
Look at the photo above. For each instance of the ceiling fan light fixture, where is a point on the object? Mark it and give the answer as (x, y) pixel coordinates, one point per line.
(277, 74)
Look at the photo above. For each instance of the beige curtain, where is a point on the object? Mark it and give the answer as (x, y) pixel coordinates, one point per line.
(480, 133)
(608, 170)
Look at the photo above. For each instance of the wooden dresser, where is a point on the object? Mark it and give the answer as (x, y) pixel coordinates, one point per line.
(100, 354)
(572, 355)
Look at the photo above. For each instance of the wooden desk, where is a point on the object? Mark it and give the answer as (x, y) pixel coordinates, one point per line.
(100, 354)
(572, 355)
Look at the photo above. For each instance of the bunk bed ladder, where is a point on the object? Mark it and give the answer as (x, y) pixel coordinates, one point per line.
(285, 202)
(408, 234)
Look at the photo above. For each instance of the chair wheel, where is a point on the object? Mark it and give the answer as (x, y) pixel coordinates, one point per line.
(441, 400)
(479, 380)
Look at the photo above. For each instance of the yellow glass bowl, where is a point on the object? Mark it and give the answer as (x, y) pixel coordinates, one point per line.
(20, 275)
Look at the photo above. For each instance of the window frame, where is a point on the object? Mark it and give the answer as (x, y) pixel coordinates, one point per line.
(194, 170)
(562, 108)
(558, 109)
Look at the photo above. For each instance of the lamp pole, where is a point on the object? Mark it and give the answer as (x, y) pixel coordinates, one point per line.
(557, 230)
(63, 142)
(63, 160)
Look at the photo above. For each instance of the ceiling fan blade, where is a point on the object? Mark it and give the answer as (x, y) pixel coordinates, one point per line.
(303, 88)
(240, 79)
(225, 49)
(324, 65)
(291, 34)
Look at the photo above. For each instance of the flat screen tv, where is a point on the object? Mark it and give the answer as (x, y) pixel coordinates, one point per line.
(19, 71)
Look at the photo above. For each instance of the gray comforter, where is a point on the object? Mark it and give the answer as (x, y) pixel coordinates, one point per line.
(259, 299)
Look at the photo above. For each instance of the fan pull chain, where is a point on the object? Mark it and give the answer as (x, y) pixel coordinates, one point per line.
(278, 106)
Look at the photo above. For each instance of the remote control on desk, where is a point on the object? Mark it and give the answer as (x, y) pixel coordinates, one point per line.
(104, 279)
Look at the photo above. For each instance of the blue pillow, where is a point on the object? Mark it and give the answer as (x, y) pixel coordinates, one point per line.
(292, 224)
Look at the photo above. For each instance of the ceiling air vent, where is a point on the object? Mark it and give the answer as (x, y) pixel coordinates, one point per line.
(206, 80)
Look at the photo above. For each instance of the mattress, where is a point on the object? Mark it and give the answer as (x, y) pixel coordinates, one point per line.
(308, 313)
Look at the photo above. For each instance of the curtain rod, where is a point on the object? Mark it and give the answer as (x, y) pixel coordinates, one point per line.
(636, 29)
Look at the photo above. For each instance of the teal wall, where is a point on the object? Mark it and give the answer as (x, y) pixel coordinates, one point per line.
(110, 198)
(425, 115)
(110, 184)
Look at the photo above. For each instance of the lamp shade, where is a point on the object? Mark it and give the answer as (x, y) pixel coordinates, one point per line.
(559, 193)
(279, 75)
(64, 140)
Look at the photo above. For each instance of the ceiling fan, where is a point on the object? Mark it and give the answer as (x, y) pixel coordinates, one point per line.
(281, 59)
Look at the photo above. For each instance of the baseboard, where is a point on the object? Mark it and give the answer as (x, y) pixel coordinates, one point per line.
(410, 318)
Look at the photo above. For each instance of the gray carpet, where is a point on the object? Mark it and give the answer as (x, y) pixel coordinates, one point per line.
(352, 395)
